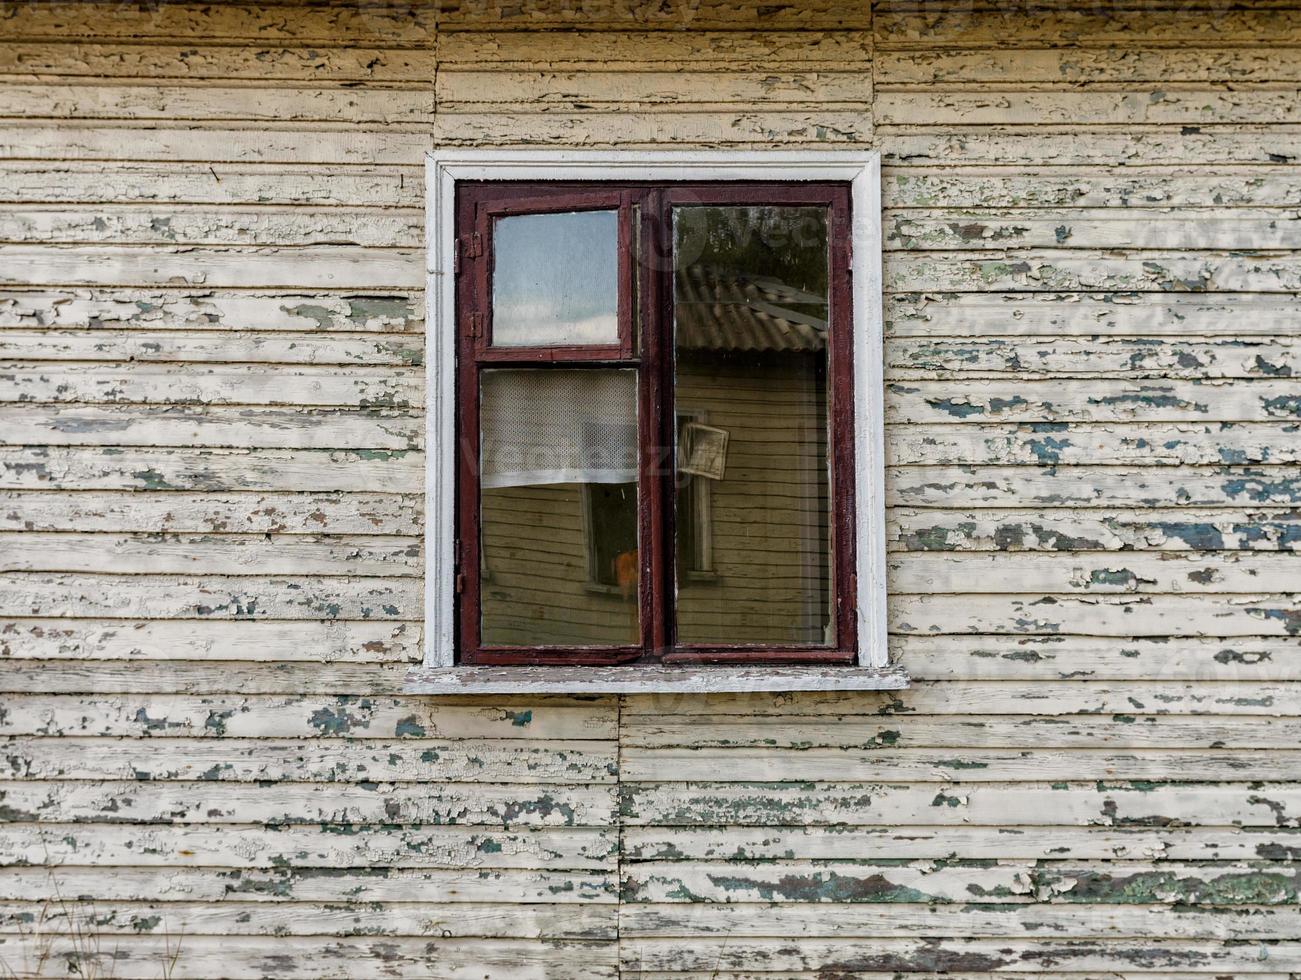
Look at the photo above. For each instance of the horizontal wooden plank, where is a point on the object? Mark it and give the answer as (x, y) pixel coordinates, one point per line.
(67, 20)
(328, 267)
(896, 764)
(231, 225)
(1004, 27)
(196, 312)
(1130, 105)
(1067, 146)
(452, 920)
(53, 467)
(307, 874)
(1098, 615)
(971, 732)
(1064, 270)
(212, 144)
(280, 103)
(1121, 820)
(1159, 696)
(1130, 190)
(213, 347)
(1095, 573)
(210, 596)
(250, 513)
(460, 818)
(311, 670)
(1155, 696)
(476, 88)
(272, 760)
(1194, 358)
(1084, 658)
(819, 841)
(186, 554)
(308, 958)
(685, 126)
(1069, 529)
(857, 920)
(266, 641)
(1101, 228)
(219, 716)
(193, 62)
(1090, 486)
(911, 955)
(800, 887)
(1033, 444)
(631, 49)
(236, 428)
(963, 400)
(69, 182)
(189, 384)
(859, 854)
(1061, 315)
(1062, 66)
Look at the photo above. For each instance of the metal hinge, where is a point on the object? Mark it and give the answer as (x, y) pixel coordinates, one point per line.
(476, 324)
(471, 245)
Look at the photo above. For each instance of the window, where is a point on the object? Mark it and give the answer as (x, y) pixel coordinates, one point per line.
(664, 413)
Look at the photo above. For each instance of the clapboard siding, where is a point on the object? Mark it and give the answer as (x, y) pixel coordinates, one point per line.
(211, 480)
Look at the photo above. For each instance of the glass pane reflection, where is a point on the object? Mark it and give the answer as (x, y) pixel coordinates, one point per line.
(555, 279)
(750, 348)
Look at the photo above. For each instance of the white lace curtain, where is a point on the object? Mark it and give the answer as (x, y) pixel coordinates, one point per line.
(558, 426)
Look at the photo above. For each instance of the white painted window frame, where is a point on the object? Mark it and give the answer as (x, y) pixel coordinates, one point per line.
(445, 167)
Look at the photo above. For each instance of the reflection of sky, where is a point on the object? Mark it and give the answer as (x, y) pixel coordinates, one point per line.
(555, 278)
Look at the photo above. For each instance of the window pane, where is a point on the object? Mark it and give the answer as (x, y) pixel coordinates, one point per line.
(750, 347)
(555, 279)
(558, 507)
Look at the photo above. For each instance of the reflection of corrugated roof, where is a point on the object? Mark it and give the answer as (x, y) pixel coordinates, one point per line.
(722, 311)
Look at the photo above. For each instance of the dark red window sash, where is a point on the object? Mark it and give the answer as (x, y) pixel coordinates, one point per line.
(477, 205)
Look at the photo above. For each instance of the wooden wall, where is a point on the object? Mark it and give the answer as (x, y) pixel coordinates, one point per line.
(210, 325)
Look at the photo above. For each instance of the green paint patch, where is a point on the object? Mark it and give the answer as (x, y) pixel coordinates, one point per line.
(1112, 576)
(937, 538)
(329, 722)
(957, 409)
(322, 316)
(151, 479)
(820, 887)
(409, 727)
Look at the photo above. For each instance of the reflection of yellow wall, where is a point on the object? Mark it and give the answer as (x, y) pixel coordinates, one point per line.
(769, 527)
(536, 590)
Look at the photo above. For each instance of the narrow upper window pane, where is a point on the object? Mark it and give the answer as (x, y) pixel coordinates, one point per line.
(555, 279)
(750, 358)
(558, 507)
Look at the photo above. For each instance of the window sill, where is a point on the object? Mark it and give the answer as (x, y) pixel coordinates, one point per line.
(650, 680)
